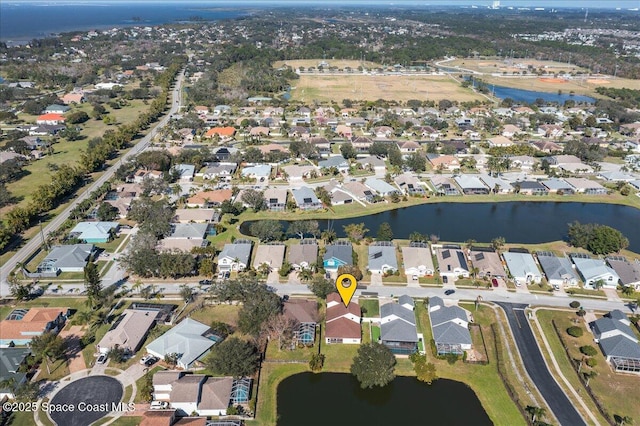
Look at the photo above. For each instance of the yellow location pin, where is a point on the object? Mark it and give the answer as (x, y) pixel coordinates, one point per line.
(346, 285)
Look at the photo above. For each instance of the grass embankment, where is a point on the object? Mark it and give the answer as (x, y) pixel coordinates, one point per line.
(610, 388)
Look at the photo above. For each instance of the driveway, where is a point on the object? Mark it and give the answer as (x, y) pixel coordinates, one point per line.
(376, 280)
(612, 294)
(535, 365)
(71, 336)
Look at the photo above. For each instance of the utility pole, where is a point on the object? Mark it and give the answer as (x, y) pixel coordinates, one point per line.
(44, 244)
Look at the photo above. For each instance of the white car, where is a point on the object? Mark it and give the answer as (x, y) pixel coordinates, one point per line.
(159, 405)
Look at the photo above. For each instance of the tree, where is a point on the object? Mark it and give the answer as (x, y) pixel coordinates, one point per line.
(92, 284)
(385, 233)
(234, 357)
(536, 412)
(417, 237)
(598, 239)
(48, 346)
(321, 287)
(257, 309)
(280, 327)
(316, 362)
(266, 230)
(107, 212)
(171, 359)
(186, 293)
(300, 228)
(351, 270)
(425, 371)
(588, 350)
(328, 235)
(146, 390)
(117, 354)
(254, 199)
(416, 162)
(575, 331)
(27, 392)
(373, 365)
(355, 231)
(153, 216)
(497, 243)
(588, 375)
(395, 156)
(348, 151)
(378, 149)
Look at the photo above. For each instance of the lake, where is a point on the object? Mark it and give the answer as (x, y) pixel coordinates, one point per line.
(526, 222)
(530, 96)
(337, 399)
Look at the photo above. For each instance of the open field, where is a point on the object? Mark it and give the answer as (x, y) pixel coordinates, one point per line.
(580, 84)
(360, 87)
(340, 63)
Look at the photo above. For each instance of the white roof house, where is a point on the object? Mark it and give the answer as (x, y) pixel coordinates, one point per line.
(417, 261)
(522, 267)
(187, 340)
(129, 331)
(596, 270)
(382, 259)
(381, 187)
(235, 256)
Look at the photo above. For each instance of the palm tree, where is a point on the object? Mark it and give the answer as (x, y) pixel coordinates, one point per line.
(474, 271)
(536, 412)
(588, 375)
(328, 235)
(305, 274)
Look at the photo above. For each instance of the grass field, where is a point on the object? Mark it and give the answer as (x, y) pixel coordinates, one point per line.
(581, 85)
(340, 63)
(360, 87)
(612, 389)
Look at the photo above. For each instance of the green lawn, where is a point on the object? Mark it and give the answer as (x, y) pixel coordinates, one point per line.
(138, 399)
(375, 333)
(112, 245)
(127, 421)
(223, 313)
(77, 303)
(370, 307)
(612, 389)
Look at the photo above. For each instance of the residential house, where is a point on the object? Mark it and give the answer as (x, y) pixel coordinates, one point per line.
(235, 256)
(337, 161)
(471, 185)
(382, 258)
(303, 255)
(223, 132)
(297, 172)
(523, 162)
(22, 325)
(185, 237)
(337, 254)
(628, 271)
(616, 176)
(408, 147)
(342, 323)
(522, 268)
(452, 263)
(185, 172)
(558, 186)
(272, 147)
(499, 141)
(496, 184)
(260, 172)
(11, 360)
(595, 272)
(558, 270)
(196, 216)
(417, 260)
(547, 146)
(95, 232)
(189, 340)
(530, 187)
(56, 109)
(218, 170)
(211, 198)
(53, 119)
(359, 191)
(271, 255)
(376, 164)
(409, 184)
(128, 331)
(398, 330)
(488, 263)
(586, 186)
(450, 327)
(306, 199)
(73, 98)
(70, 258)
(305, 313)
(338, 195)
(140, 175)
(510, 130)
(380, 187)
(551, 130)
(443, 185)
(193, 393)
(443, 162)
(618, 342)
(276, 199)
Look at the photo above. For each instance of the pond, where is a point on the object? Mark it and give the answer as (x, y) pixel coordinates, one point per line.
(331, 398)
(530, 96)
(526, 222)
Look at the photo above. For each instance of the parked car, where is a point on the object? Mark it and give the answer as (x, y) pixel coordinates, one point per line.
(494, 282)
(151, 361)
(159, 405)
(102, 359)
(146, 358)
(205, 282)
(449, 292)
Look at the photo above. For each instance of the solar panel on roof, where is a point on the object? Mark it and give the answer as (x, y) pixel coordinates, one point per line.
(446, 254)
(376, 255)
(479, 256)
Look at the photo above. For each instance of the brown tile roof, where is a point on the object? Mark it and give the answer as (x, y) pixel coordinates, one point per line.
(222, 131)
(35, 321)
(337, 324)
(187, 388)
(191, 421)
(216, 196)
(216, 393)
(158, 418)
(301, 310)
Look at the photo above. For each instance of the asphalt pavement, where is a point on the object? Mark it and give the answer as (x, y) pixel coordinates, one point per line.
(535, 365)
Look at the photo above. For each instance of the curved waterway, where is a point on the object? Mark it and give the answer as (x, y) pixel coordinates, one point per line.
(526, 222)
(336, 399)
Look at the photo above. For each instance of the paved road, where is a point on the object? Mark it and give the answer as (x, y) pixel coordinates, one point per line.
(535, 365)
(32, 245)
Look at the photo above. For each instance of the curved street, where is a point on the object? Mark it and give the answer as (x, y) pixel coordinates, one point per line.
(535, 365)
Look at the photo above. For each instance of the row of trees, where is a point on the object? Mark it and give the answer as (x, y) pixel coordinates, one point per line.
(598, 239)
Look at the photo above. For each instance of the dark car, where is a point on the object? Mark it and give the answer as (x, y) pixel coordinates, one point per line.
(494, 282)
(449, 292)
(205, 282)
(151, 361)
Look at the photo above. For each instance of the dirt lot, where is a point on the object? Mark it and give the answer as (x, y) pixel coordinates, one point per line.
(372, 87)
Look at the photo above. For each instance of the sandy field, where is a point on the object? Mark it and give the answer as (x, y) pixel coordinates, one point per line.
(360, 87)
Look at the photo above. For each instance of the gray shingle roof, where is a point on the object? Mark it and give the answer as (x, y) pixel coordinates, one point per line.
(72, 256)
(242, 252)
(446, 323)
(188, 230)
(557, 268)
(380, 256)
(620, 347)
(402, 329)
(341, 252)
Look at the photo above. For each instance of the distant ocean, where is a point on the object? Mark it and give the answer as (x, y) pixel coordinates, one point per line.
(22, 22)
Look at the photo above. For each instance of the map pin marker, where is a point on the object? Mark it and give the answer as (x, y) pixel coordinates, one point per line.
(346, 285)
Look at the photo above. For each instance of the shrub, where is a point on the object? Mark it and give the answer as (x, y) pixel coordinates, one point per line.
(575, 331)
(588, 350)
(591, 362)
(575, 304)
